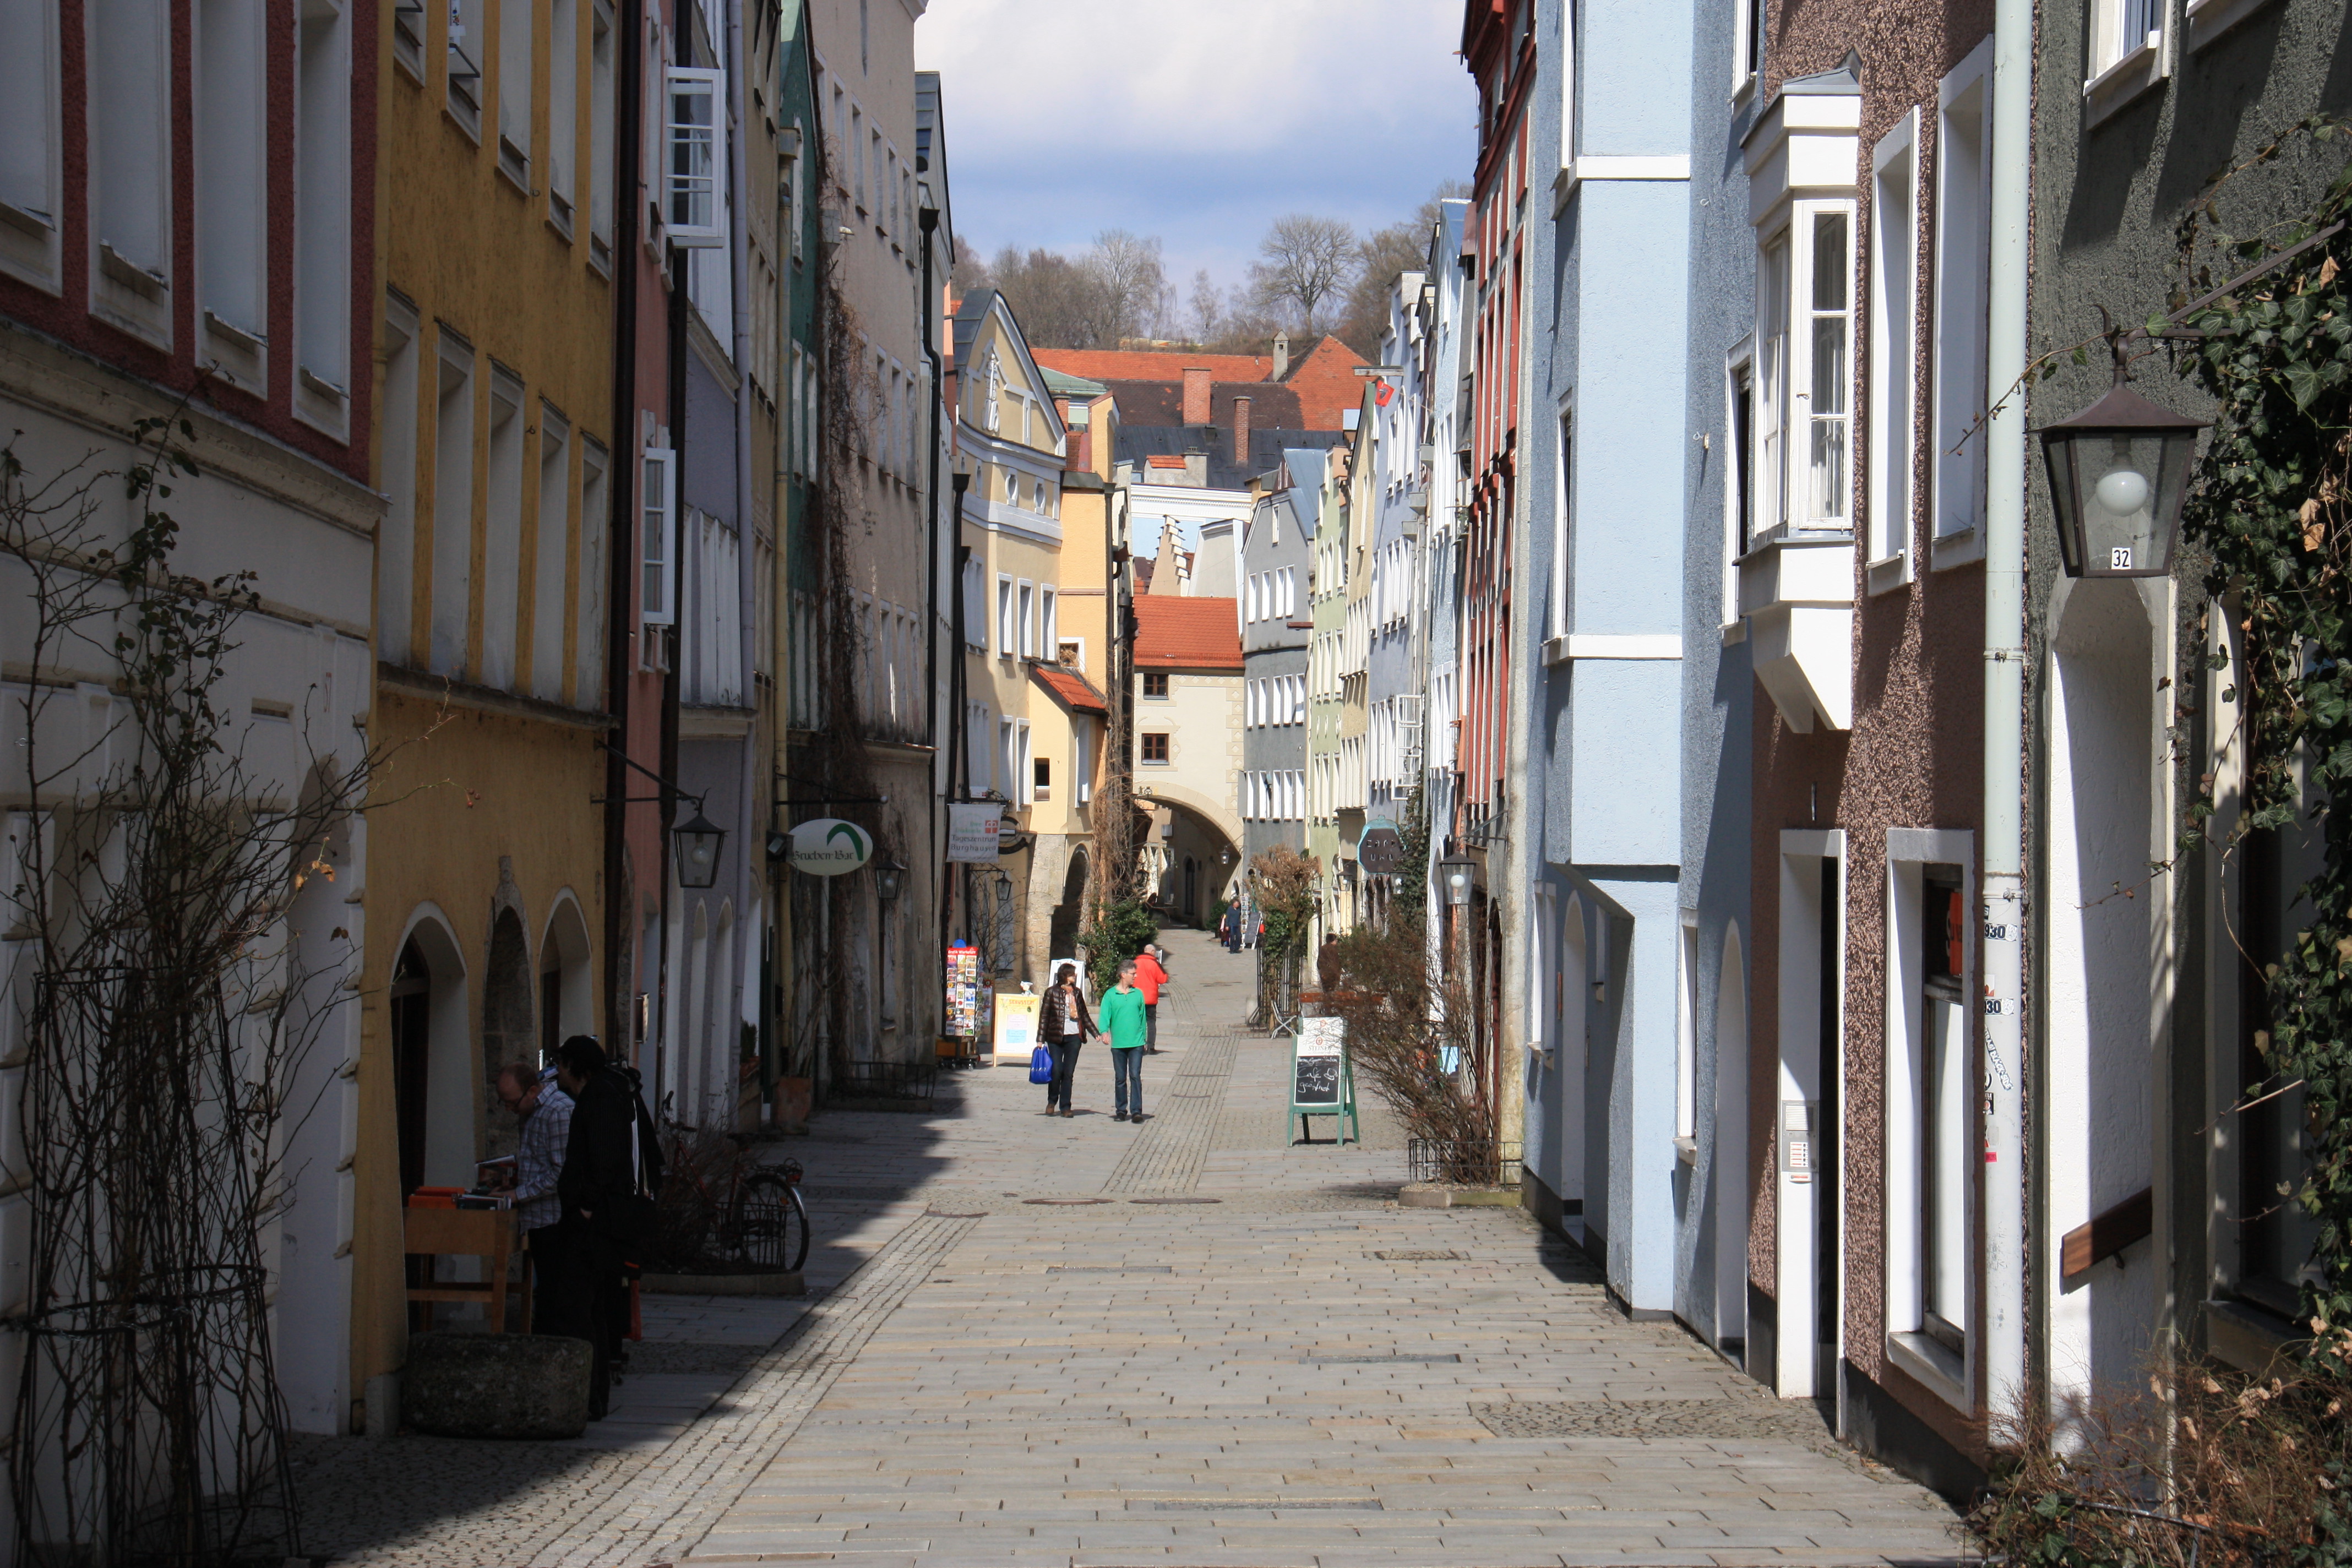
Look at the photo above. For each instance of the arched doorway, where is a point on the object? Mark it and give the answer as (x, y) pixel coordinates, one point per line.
(567, 999)
(508, 1011)
(1069, 911)
(1732, 1176)
(434, 1103)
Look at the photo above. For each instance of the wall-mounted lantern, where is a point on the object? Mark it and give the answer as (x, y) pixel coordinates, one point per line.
(698, 843)
(1459, 873)
(889, 877)
(2119, 473)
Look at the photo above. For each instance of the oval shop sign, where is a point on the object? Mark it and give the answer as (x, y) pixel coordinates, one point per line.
(828, 846)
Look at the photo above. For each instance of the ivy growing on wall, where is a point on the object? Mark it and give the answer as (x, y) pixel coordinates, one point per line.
(2269, 503)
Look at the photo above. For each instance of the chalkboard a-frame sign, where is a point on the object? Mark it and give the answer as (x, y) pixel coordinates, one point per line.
(1322, 1078)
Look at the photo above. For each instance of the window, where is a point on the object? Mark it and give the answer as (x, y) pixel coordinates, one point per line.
(29, 172)
(1041, 785)
(1563, 558)
(1049, 630)
(396, 572)
(659, 546)
(453, 505)
(975, 747)
(2121, 28)
(857, 154)
(408, 37)
(1006, 782)
(1894, 331)
(595, 527)
(231, 238)
(690, 179)
(551, 554)
(563, 107)
(1748, 45)
(322, 219)
(1740, 481)
(1943, 1111)
(502, 545)
(1004, 621)
(1963, 255)
(1686, 1039)
(130, 163)
(1021, 764)
(1028, 644)
(1155, 749)
(600, 135)
(1155, 683)
(1806, 333)
(466, 56)
(516, 19)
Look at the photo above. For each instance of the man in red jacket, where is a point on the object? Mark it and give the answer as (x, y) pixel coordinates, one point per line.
(1149, 977)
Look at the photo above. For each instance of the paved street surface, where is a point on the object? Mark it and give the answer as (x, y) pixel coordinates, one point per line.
(1034, 1340)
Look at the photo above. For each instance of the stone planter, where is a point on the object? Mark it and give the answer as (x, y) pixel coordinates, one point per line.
(1447, 1195)
(516, 1386)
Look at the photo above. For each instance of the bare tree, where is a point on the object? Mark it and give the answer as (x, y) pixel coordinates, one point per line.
(1133, 283)
(967, 272)
(1208, 308)
(1382, 257)
(1307, 260)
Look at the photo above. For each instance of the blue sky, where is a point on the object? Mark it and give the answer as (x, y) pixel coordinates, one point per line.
(1198, 120)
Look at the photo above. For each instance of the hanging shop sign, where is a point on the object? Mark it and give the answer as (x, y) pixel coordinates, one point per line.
(1381, 848)
(973, 830)
(828, 846)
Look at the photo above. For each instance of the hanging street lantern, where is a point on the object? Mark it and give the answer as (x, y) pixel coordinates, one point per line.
(697, 842)
(888, 876)
(2119, 473)
(1459, 872)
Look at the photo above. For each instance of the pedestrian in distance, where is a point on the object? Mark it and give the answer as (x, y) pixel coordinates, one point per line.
(1123, 1022)
(1063, 1027)
(544, 1114)
(1226, 924)
(1328, 971)
(1150, 975)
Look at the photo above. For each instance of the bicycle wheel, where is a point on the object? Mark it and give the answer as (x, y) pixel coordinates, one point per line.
(773, 1226)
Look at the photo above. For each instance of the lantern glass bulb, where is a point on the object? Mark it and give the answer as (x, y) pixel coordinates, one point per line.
(2123, 493)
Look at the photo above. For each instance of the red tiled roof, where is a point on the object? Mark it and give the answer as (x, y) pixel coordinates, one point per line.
(1323, 378)
(1078, 694)
(1153, 365)
(1173, 633)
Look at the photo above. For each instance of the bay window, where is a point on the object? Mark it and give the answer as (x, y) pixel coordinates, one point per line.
(1805, 342)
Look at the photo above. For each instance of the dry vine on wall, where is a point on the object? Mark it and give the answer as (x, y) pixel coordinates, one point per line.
(166, 1008)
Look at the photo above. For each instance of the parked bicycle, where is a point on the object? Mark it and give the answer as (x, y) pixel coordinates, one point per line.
(722, 1207)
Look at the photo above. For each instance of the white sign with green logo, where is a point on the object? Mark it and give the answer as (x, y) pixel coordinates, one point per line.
(827, 847)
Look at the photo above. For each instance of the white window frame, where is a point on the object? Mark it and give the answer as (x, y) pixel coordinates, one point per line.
(32, 132)
(1962, 334)
(1738, 487)
(693, 204)
(2128, 47)
(1028, 622)
(518, 37)
(1005, 621)
(603, 52)
(1049, 644)
(1686, 1038)
(1801, 389)
(657, 550)
(1894, 384)
(1563, 518)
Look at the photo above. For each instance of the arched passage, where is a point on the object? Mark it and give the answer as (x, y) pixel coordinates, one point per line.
(1069, 912)
(2103, 1061)
(509, 1010)
(567, 1000)
(433, 1099)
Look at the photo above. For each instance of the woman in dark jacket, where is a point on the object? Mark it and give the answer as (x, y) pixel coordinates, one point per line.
(1063, 1026)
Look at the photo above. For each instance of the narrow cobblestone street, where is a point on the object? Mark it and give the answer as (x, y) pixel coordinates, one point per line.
(1035, 1342)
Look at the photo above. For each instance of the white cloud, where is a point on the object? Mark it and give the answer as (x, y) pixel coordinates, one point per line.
(1198, 121)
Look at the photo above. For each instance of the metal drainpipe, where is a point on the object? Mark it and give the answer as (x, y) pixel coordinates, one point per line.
(748, 837)
(2004, 883)
(620, 564)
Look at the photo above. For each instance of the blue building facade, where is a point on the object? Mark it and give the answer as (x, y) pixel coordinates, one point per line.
(1597, 835)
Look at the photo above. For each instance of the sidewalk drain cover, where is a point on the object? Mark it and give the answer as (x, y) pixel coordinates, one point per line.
(1370, 1359)
(1110, 1268)
(1421, 1254)
(1053, 1201)
(1175, 1200)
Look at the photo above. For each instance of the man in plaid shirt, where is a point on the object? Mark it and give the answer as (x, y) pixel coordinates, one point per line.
(545, 1112)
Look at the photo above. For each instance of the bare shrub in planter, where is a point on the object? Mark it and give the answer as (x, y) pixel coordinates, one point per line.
(1409, 1037)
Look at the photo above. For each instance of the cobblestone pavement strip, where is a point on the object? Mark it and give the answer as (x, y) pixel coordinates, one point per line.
(1299, 1373)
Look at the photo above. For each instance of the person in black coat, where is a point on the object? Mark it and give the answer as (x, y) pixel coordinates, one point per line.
(611, 1167)
(1062, 1027)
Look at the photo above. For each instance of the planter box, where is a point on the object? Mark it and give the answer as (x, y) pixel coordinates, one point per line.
(1440, 1196)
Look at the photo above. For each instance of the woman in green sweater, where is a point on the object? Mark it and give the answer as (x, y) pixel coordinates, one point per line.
(1121, 1016)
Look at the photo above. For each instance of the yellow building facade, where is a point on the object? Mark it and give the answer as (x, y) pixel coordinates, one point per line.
(1036, 572)
(494, 362)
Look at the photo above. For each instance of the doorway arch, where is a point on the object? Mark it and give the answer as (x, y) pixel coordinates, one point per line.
(567, 999)
(508, 1011)
(434, 1102)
